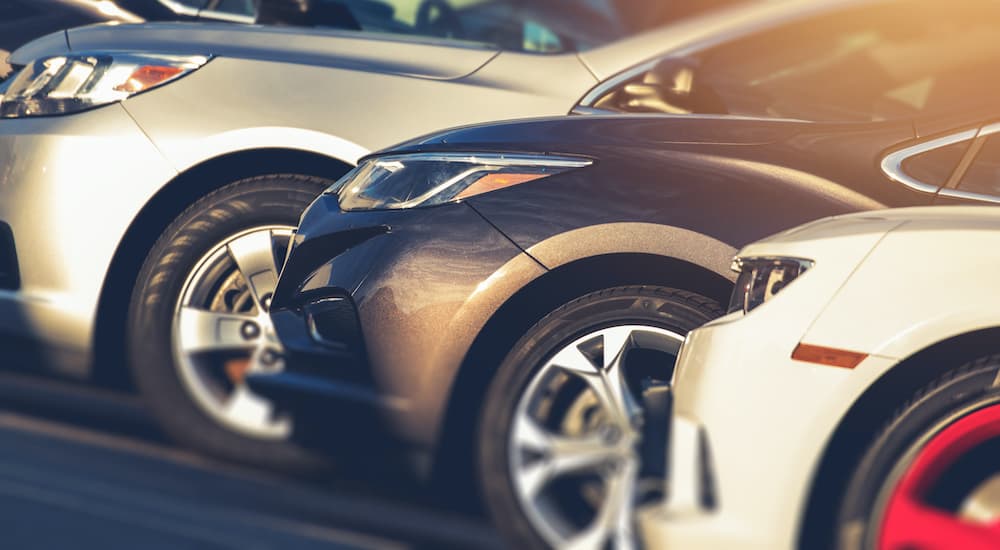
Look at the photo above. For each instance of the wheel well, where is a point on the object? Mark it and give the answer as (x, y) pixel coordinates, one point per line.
(454, 470)
(109, 364)
(868, 416)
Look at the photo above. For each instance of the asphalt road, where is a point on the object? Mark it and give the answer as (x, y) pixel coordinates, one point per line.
(85, 469)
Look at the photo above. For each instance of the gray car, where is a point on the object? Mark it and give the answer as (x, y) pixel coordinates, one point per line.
(151, 175)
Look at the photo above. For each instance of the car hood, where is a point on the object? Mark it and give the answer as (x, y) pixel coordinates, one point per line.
(921, 218)
(573, 133)
(343, 49)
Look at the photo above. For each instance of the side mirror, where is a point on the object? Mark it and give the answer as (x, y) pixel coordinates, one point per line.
(671, 86)
(666, 88)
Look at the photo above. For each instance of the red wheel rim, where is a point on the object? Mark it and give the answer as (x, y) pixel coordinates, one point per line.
(909, 523)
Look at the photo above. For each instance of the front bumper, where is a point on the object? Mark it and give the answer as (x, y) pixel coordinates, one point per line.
(382, 308)
(70, 187)
(749, 428)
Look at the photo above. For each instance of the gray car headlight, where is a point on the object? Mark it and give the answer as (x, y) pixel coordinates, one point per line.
(762, 278)
(396, 182)
(71, 83)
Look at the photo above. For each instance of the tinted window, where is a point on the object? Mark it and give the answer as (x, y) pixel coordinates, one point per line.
(983, 175)
(890, 60)
(937, 165)
(238, 7)
(547, 26)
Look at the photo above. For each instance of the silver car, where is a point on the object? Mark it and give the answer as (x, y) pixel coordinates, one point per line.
(151, 175)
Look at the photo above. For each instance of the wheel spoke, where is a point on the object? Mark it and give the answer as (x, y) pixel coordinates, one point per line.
(616, 342)
(254, 256)
(200, 331)
(912, 524)
(572, 360)
(247, 407)
(558, 455)
(614, 521)
(583, 388)
(622, 506)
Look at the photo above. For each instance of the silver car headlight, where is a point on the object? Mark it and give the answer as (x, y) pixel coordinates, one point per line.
(762, 278)
(396, 182)
(71, 83)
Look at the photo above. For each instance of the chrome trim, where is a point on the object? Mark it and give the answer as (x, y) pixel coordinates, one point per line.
(965, 195)
(490, 159)
(578, 110)
(892, 164)
(178, 8)
(603, 88)
(216, 15)
(990, 129)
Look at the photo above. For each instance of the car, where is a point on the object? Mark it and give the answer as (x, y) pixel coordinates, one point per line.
(24, 20)
(168, 163)
(849, 397)
(469, 293)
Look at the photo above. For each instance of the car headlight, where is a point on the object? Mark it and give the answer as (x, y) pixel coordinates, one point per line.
(762, 278)
(423, 179)
(71, 83)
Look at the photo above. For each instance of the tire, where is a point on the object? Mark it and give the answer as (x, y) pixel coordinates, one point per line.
(655, 320)
(178, 385)
(928, 429)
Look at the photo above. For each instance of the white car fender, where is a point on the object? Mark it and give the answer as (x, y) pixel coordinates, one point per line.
(906, 308)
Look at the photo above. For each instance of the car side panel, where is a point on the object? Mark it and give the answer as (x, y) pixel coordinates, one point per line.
(727, 200)
(424, 283)
(69, 189)
(908, 306)
(238, 104)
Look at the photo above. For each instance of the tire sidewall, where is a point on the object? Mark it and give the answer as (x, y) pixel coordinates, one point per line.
(650, 306)
(893, 452)
(235, 208)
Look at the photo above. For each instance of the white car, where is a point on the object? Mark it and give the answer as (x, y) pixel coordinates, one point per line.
(857, 408)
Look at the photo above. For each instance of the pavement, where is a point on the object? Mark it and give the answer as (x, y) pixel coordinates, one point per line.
(82, 468)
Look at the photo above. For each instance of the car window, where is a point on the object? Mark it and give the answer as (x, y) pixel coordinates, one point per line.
(983, 175)
(936, 165)
(543, 26)
(888, 60)
(235, 7)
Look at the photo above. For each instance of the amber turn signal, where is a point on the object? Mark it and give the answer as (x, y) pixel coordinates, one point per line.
(147, 77)
(831, 357)
(499, 180)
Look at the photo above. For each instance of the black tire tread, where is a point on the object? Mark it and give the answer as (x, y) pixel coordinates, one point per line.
(515, 529)
(178, 425)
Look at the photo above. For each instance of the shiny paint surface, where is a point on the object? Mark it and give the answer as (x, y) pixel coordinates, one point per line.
(423, 288)
(693, 189)
(336, 95)
(762, 475)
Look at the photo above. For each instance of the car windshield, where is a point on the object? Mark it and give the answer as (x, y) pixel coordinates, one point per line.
(543, 26)
(866, 63)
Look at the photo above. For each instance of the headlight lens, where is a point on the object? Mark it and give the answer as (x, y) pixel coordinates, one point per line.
(410, 181)
(72, 83)
(762, 278)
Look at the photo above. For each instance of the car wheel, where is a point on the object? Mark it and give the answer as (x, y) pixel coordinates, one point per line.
(560, 429)
(932, 478)
(199, 311)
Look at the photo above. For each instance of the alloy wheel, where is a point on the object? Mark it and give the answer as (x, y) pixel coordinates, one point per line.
(221, 322)
(948, 495)
(574, 441)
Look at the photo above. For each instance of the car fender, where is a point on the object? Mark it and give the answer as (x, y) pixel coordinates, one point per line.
(185, 155)
(905, 306)
(636, 238)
